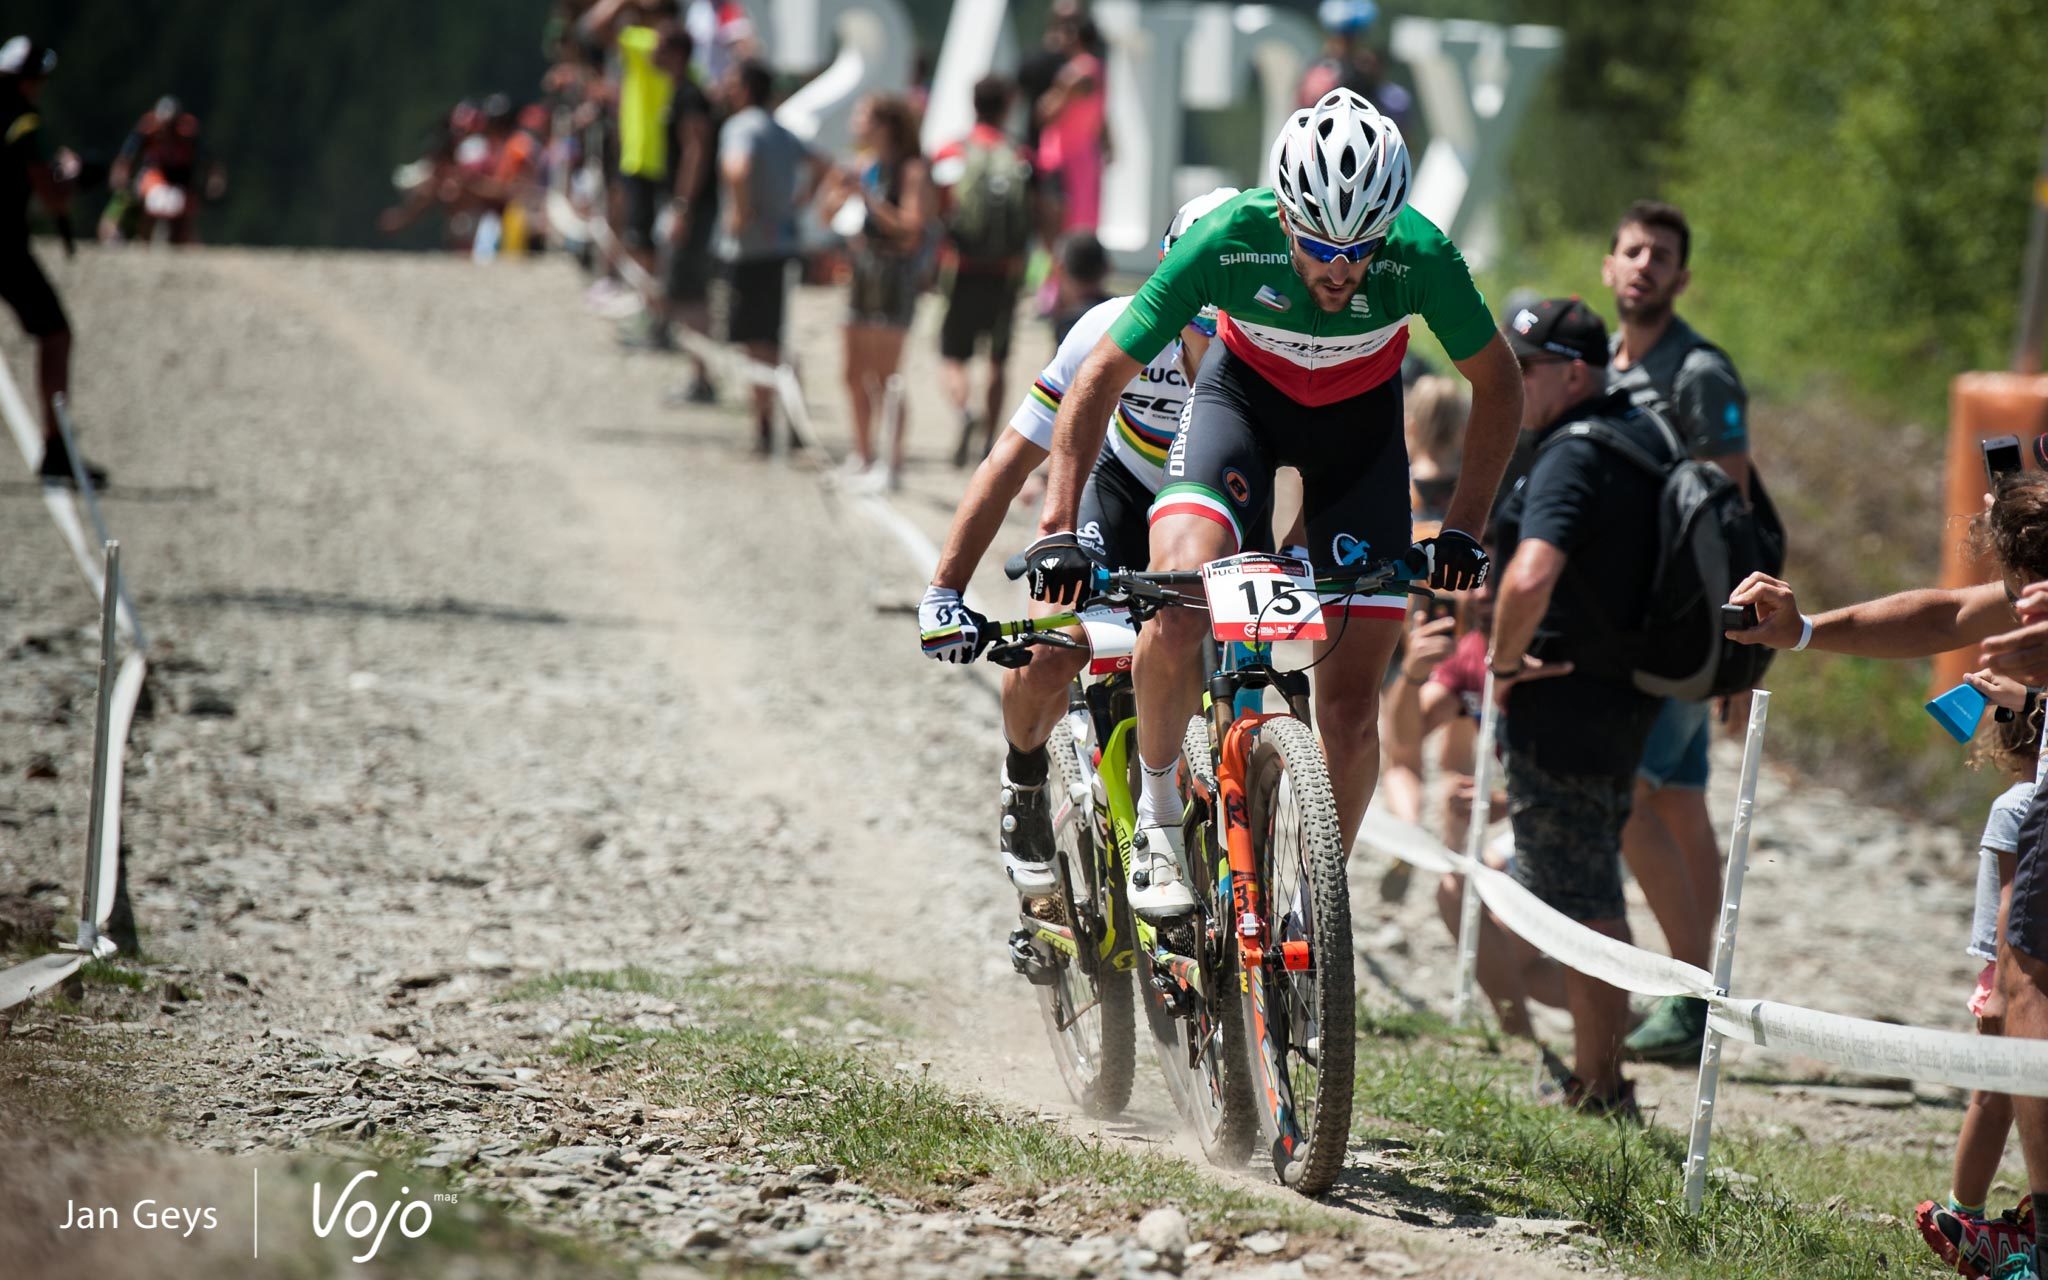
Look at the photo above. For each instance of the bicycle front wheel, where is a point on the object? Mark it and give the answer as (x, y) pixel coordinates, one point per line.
(1088, 1009)
(1300, 1010)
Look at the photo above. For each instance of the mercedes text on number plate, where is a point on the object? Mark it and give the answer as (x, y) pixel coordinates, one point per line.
(1262, 597)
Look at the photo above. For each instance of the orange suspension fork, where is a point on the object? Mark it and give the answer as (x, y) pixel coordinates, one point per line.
(1232, 772)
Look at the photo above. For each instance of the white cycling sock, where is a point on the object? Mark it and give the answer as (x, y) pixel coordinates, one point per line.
(1159, 803)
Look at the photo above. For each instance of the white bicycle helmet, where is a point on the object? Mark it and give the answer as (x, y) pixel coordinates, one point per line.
(1184, 218)
(1341, 170)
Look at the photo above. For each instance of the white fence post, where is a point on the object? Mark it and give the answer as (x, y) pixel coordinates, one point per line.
(1724, 951)
(62, 405)
(1475, 853)
(103, 717)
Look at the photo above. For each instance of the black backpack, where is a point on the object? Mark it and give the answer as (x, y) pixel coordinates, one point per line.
(1708, 540)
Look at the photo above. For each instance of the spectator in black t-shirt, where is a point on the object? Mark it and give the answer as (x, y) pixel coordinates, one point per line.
(1579, 539)
(26, 169)
(692, 127)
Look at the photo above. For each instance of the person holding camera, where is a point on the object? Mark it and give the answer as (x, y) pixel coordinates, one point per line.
(1579, 535)
(2008, 621)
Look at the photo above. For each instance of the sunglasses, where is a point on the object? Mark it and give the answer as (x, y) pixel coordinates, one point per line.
(1526, 363)
(1204, 325)
(1324, 251)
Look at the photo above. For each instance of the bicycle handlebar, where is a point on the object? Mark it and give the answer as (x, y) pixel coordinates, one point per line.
(1403, 568)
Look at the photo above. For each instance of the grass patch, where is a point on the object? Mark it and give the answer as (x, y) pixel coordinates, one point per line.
(902, 1133)
(1793, 1209)
(632, 979)
(108, 974)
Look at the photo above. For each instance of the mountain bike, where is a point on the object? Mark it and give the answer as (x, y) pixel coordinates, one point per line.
(1079, 948)
(1272, 915)
(1274, 907)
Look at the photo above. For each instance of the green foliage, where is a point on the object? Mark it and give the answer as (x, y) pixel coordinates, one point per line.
(1859, 184)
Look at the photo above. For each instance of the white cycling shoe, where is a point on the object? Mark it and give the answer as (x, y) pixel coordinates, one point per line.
(1158, 889)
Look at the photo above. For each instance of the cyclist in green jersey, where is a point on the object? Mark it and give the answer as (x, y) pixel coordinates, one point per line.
(1316, 277)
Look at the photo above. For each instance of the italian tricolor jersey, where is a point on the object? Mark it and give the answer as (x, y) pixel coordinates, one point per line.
(1147, 414)
(1237, 258)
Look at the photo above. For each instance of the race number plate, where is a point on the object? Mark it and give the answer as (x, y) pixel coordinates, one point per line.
(1262, 597)
(1111, 640)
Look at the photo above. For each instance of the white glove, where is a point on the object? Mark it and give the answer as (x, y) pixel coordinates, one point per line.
(948, 629)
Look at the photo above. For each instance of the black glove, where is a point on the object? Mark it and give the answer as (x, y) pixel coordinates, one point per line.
(1456, 561)
(1057, 568)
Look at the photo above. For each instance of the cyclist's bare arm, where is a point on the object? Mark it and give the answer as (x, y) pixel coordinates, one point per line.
(1078, 431)
(995, 484)
(1490, 433)
(1910, 624)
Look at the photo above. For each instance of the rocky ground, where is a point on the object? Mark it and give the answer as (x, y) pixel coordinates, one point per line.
(473, 665)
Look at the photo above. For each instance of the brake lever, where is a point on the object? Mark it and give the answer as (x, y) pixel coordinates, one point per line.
(1010, 656)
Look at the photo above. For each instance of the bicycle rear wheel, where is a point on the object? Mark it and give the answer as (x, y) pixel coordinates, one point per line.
(1088, 1011)
(1300, 1011)
(1198, 1039)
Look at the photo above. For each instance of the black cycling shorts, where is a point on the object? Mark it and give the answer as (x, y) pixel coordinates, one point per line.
(28, 291)
(1353, 459)
(1112, 524)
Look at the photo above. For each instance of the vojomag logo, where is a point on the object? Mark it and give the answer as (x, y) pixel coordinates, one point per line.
(362, 1220)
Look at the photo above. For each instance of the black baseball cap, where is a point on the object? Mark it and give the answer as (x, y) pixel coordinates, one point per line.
(1563, 327)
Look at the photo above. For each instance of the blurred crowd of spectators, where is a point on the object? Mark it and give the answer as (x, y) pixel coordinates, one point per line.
(653, 153)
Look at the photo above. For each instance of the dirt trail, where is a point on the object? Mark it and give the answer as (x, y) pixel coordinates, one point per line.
(477, 665)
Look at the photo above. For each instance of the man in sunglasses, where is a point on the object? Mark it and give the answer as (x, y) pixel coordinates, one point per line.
(1316, 277)
(1578, 537)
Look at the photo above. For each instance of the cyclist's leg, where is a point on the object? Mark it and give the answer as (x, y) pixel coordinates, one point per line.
(1218, 497)
(1354, 468)
(1111, 524)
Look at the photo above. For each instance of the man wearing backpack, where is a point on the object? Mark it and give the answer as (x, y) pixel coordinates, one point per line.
(1579, 537)
(1669, 843)
(985, 190)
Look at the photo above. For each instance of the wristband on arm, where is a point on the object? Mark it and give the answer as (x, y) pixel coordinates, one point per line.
(1805, 632)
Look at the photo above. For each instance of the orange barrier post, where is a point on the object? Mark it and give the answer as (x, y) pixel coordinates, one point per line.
(1981, 405)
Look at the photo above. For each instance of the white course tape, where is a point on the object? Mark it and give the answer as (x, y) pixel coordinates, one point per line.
(1996, 1063)
(26, 980)
(20, 421)
(1595, 954)
(1553, 933)
(1406, 841)
(31, 978)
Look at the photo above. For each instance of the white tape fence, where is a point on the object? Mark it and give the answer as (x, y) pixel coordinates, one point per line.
(1918, 1053)
(120, 691)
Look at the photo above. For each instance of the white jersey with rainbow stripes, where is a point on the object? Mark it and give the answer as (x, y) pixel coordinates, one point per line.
(1147, 416)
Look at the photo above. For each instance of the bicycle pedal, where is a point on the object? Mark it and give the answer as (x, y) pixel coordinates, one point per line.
(1031, 960)
(1176, 998)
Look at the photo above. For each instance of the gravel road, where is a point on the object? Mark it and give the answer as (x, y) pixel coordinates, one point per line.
(475, 664)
